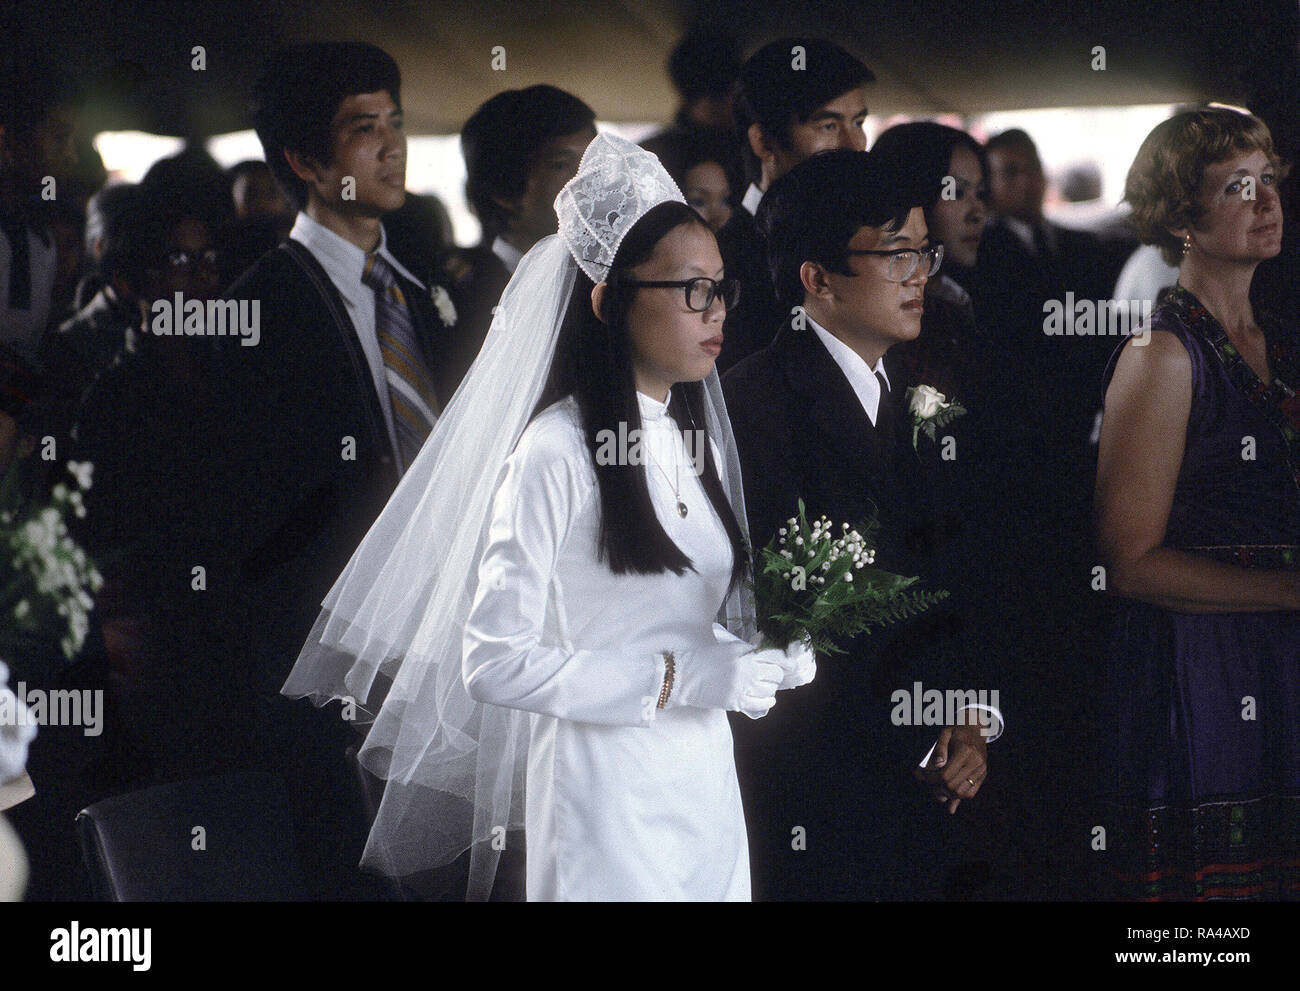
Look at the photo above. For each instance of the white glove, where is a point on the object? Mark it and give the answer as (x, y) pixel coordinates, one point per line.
(730, 676)
(800, 664)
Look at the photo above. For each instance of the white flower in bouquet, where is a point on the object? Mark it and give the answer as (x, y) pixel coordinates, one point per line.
(48, 585)
(81, 471)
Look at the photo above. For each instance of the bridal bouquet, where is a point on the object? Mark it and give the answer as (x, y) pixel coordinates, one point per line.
(46, 580)
(811, 583)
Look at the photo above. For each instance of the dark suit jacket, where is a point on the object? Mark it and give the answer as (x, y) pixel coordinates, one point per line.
(477, 278)
(753, 323)
(1044, 389)
(828, 757)
(1011, 283)
(306, 464)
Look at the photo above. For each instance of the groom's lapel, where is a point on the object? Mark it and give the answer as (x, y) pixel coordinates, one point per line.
(838, 426)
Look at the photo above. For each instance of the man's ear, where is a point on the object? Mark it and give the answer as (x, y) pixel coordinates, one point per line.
(759, 144)
(813, 278)
(598, 299)
(505, 204)
(305, 167)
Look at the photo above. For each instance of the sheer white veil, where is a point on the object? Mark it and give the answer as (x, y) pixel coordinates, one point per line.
(388, 640)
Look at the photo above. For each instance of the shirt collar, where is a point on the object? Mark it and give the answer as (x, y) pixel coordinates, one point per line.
(342, 260)
(753, 196)
(1025, 232)
(508, 253)
(861, 376)
(652, 409)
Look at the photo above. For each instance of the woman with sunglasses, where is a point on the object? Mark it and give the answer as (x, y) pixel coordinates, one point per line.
(583, 534)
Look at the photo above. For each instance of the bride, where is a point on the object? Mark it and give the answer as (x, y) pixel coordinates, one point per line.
(531, 624)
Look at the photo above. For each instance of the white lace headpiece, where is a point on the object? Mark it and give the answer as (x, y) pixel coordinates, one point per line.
(616, 185)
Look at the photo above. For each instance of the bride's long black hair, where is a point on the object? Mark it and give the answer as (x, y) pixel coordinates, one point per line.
(593, 363)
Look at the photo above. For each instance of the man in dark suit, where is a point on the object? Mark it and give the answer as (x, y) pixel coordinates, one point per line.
(333, 402)
(1025, 262)
(827, 777)
(520, 149)
(345, 379)
(795, 97)
(1039, 391)
(37, 152)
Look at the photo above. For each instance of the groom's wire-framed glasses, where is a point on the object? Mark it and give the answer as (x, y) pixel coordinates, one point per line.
(700, 291)
(903, 262)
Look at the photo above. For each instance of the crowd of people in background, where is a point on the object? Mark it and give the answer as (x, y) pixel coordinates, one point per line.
(190, 435)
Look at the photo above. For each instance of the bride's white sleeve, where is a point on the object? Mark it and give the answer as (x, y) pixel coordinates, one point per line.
(505, 661)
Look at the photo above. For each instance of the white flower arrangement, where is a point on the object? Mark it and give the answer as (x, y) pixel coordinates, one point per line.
(930, 409)
(47, 582)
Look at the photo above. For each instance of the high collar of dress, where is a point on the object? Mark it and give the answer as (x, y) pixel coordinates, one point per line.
(652, 410)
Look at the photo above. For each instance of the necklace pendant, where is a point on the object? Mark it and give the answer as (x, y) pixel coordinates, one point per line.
(681, 508)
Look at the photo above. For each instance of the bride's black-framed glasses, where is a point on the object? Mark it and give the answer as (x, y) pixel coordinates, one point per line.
(903, 262)
(700, 291)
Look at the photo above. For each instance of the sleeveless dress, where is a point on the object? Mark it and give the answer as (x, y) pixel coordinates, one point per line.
(1204, 787)
(623, 801)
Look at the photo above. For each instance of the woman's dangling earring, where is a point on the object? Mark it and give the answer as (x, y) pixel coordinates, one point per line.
(1187, 245)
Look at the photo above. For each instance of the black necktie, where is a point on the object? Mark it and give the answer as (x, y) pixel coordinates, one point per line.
(885, 423)
(1046, 256)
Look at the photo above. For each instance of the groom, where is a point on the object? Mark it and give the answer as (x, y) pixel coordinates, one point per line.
(833, 809)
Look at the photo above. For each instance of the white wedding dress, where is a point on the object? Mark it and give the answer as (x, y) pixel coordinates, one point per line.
(623, 800)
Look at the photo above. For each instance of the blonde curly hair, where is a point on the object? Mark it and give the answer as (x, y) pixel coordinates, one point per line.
(1165, 177)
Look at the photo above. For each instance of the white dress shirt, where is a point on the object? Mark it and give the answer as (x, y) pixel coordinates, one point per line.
(753, 196)
(860, 375)
(507, 252)
(624, 801)
(344, 262)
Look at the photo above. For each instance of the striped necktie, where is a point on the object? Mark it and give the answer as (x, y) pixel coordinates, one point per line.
(410, 386)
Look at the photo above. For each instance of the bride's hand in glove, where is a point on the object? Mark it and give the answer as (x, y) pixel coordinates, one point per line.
(799, 663)
(730, 676)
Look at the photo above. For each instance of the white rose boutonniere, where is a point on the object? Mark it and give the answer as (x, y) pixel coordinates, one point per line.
(930, 409)
(446, 309)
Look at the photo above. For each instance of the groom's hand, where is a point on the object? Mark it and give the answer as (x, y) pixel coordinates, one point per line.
(958, 766)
